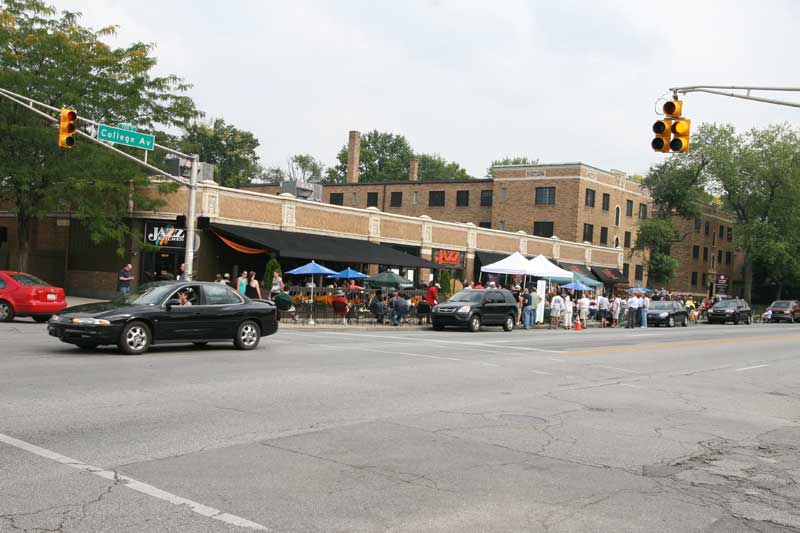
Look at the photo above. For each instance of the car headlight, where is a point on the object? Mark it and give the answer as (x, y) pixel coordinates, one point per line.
(663, 315)
(435, 308)
(90, 321)
(463, 309)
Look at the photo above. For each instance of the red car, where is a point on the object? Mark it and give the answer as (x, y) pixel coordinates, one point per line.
(25, 295)
(788, 310)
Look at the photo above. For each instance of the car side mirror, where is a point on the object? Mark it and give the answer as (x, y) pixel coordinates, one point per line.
(172, 303)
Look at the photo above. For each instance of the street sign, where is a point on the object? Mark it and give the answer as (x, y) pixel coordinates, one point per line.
(126, 137)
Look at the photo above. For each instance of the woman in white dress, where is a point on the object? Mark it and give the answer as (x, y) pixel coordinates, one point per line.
(616, 306)
(569, 307)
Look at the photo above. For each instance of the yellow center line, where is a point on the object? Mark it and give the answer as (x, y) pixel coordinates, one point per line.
(677, 344)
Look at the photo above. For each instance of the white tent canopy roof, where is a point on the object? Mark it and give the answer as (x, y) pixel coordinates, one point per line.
(513, 264)
(541, 267)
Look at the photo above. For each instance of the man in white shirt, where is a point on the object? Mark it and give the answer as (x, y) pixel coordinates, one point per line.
(633, 310)
(556, 310)
(645, 306)
(603, 310)
(583, 309)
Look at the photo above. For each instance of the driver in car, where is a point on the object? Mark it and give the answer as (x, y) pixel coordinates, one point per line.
(183, 298)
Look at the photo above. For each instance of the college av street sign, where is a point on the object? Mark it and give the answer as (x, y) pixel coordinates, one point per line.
(125, 136)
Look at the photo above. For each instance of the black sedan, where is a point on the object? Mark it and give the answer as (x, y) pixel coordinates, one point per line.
(734, 310)
(167, 312)
(472, 308)
(668, 313)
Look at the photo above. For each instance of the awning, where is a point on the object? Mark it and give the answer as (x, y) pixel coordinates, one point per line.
(609, 276)
(584, 273)
(487, 258)
(320, 247)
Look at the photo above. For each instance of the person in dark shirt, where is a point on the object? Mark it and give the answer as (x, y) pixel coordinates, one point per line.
(124, 279)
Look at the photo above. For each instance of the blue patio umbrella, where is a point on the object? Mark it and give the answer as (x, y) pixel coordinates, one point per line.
(312, 269)
(639, 289)
(577, 286)
(348, 273)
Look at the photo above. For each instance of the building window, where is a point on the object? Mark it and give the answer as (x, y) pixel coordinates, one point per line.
(588, 232)
(627, 239)
(372, 199)
(705, 254)
(487, 225)
(589, 200)
(694, 279)
(713, 239)
(606, 201)
(396, 199)
(415, 198)
(698, 224)
(708, 228)
(603, 235)
(617, 216)
(639, 273)
(695, 252)
(626, 270)
(629, 208)
(643, 211)
(705, 280)
(730, 234)
(543, 229)
(545, 195)
(719, 257)
(486, 198)
(435, 198)
(462, 198)
(721, 231)
(503, 194)
(336, 198)
(727, 258)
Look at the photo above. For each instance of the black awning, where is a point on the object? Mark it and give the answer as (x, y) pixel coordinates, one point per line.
(320, 247)
(609, 276)
(583, 270)
(487, 258)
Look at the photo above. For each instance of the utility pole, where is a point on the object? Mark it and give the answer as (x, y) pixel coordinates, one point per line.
(191, 218)
(718, 90)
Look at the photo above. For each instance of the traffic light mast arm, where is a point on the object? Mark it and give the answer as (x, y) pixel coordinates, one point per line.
(714, 89)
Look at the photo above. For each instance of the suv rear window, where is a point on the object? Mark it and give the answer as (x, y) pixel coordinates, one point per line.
(28, 280)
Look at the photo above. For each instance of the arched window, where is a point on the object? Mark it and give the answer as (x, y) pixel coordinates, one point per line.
(617, 216)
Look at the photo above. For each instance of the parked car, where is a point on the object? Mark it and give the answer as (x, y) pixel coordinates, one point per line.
(472, 308)
(168, 312)
(733, 310)
(668, 313)
(22, 294)
(785, 310)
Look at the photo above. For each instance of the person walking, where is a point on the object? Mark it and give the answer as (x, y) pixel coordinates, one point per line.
(603, 310)
(643, 310)
(616, 306)
(569, 311)
(253, 288)
(124, 279)
(182, 273)
(277, 284)
(583, 309)
(527, 309)
(556, 310)
(241, 283)
(432, 296)
(633, 310)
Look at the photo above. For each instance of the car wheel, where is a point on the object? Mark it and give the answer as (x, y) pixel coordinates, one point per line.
(474, 323)
(41, 318)
(135, 338)
(508, 325)
(671, 322)
(685, 321)
(748, 319)
(247, 335)
(736, 320)
(6, 311)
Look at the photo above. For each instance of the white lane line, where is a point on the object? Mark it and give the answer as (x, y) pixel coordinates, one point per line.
(440, 341)
(541, 372)
(133, 484)
(750, 367)
(617, 369)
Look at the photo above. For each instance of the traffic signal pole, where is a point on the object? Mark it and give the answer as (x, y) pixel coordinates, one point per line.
(191, 218)
(718, 90)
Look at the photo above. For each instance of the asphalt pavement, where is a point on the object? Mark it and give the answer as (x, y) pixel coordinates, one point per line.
(658, 429)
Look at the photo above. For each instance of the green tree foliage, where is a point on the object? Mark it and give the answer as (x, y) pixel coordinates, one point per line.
(444, 281)
(272, 266)
(655, 236)
(50, 57)
(386, 157)
(518, 160)
(300, 167)
(677, 186)
(433, 167)
(231, 150)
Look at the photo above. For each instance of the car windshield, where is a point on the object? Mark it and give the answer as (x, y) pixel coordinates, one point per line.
(28, 280)
(467, 296)
(781, 304)
(146, 295)
(725, 304)
(660, 305)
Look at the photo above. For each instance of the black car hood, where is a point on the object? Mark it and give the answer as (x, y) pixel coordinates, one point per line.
(454, 305)
(99, 310)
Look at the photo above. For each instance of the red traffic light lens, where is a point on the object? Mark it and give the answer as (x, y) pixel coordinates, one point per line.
(72, 115)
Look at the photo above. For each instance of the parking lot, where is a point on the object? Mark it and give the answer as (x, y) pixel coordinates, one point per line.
(684, 429)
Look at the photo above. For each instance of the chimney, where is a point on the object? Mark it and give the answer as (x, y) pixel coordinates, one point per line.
(413, 170)
(353, 156)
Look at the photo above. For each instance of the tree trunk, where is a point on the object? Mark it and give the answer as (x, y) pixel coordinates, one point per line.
(23, 243)
(748, 281)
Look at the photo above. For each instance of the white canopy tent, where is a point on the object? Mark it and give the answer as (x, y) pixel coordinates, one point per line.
(514, 264)
(541, 267)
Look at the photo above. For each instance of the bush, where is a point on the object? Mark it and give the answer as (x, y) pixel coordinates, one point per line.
(444, 281)
(272, 266)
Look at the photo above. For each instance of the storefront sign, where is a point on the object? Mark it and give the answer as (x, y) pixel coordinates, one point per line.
(448, 258)
(164, 235)
(722, 284)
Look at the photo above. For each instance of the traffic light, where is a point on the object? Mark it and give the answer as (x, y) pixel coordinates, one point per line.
(673, 108)
(680, 135)
(663, 131)
(67, 128)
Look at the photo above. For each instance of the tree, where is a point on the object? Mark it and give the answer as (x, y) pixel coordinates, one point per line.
(52, 58)
(384, 157)
(655, 236)
(444, 281)
(272, 266)
(300, 167)
(433, 167)
(518, 160)
(231, 150)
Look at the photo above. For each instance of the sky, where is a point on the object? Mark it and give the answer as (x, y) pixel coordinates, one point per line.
(561, 81)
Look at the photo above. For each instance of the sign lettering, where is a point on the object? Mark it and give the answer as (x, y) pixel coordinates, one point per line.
(452, 258)
(164, 235)
(126, 137)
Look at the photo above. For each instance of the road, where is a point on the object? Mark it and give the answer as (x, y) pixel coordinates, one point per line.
(685, 429)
